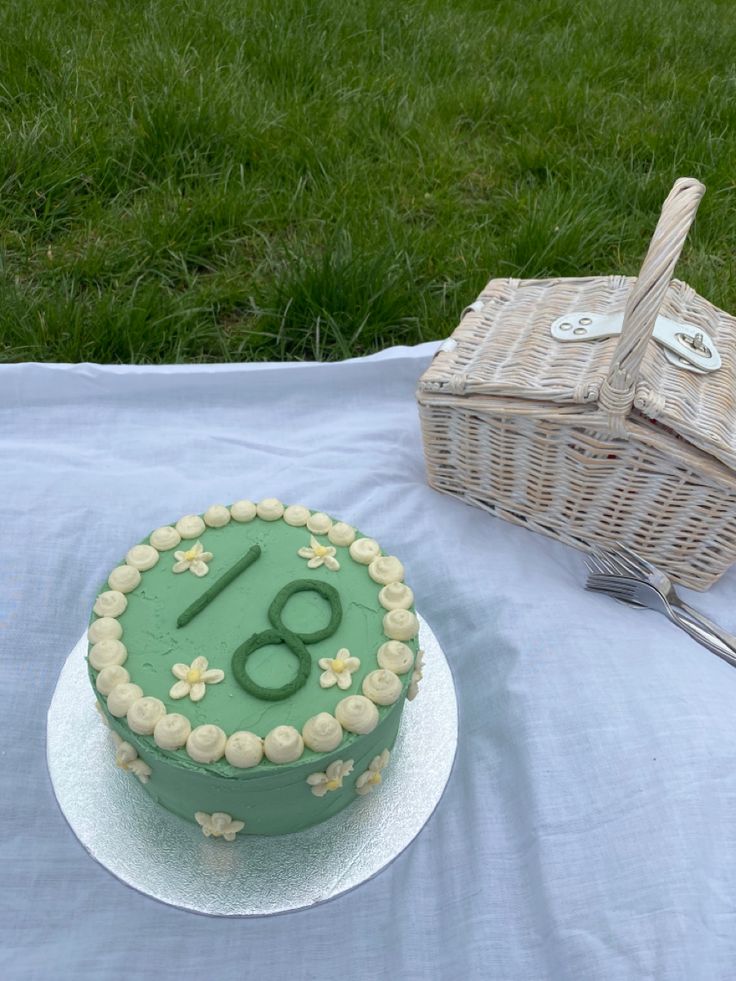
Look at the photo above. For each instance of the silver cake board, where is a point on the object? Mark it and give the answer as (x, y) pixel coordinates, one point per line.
(169, 859)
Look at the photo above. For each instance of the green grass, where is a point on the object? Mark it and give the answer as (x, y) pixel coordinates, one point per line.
(186, 180)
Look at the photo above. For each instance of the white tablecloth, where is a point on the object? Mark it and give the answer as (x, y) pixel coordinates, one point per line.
(589, 825)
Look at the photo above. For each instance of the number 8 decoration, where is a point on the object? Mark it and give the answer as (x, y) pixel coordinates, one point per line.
(294, 640)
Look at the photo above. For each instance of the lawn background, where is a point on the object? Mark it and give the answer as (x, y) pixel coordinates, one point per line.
(271, 179)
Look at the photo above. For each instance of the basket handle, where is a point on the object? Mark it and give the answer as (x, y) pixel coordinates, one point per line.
(678, 212)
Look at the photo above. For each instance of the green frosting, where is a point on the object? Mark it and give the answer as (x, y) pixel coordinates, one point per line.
(217, 587)
(278, 605)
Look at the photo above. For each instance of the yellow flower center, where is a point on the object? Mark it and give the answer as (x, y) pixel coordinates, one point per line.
(191, 554)
(376, 778)
(338, 665)
(193, 676)
(321, 550)
(333, 784)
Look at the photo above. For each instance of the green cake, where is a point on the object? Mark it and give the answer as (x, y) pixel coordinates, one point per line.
(253, 663)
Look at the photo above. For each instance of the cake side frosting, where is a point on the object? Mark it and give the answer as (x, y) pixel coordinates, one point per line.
(255, 659)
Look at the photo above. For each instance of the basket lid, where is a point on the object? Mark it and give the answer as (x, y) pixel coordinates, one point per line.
(504, 348)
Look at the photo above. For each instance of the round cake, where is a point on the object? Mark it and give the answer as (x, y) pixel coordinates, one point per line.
(252, 663)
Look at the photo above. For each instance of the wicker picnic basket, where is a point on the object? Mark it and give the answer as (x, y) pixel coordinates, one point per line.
(614, 438)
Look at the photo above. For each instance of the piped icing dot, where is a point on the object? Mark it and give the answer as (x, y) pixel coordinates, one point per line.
(172, 731)
(124, 578)
(243, 511)
(341, 534)
(206, 744)
(400, 625)
(270, 509)
(190, 526)
(122, 697)
(364, 550)
(395, 656)
(296, 515)
(217, 516)
(144, 713)
(107, 652)
(386, 569)
(382, 687)
(319, 523)
(283, 744)
(106, 628)
(356, 713)
(111, 603)
(244, 749)
(396, 596)
(110, 677)
(165, 538)
(142, 557)
(322, 733)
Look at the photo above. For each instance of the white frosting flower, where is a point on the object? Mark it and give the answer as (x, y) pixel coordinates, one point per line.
(193, 679)
(194, 560)
(382, 687)
(111, 603)
(338, 670)
(319, 555)
(416, 676)
(372, 776)
(164, 538)
(124, 578)
(218, 825)
(217, 516)
(127, 759)
(322, 733)
(331, 779)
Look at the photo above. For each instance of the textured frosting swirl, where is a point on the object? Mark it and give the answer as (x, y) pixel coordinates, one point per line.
(396, 596)
(107, 652)
(124, 578)
(206, 744)
(142, 557)
(364, 550)
(106, 628)
(382, 686)
(110, 677)
(190, 526)
(296, 515)
(400, 625)
(356, 713)
(172, 731)
(395, 656)
(283, 744)
(122, 697)
(386, 569)
(244, 749)
(341, 534)
(111, 603)
(165, 538)
(217, 516)
(144, 713)
(319, 523)
(322, 733)
(270, 509)
(243, 511)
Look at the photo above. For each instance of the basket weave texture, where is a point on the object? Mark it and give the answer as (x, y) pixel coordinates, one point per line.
(593, 442)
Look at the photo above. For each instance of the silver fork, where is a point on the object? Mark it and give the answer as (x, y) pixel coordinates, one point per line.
(622, 573)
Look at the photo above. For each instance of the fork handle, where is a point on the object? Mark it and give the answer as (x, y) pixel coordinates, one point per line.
(706, 632)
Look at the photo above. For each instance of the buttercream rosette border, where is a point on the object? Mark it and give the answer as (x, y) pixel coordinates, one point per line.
(208, 743)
